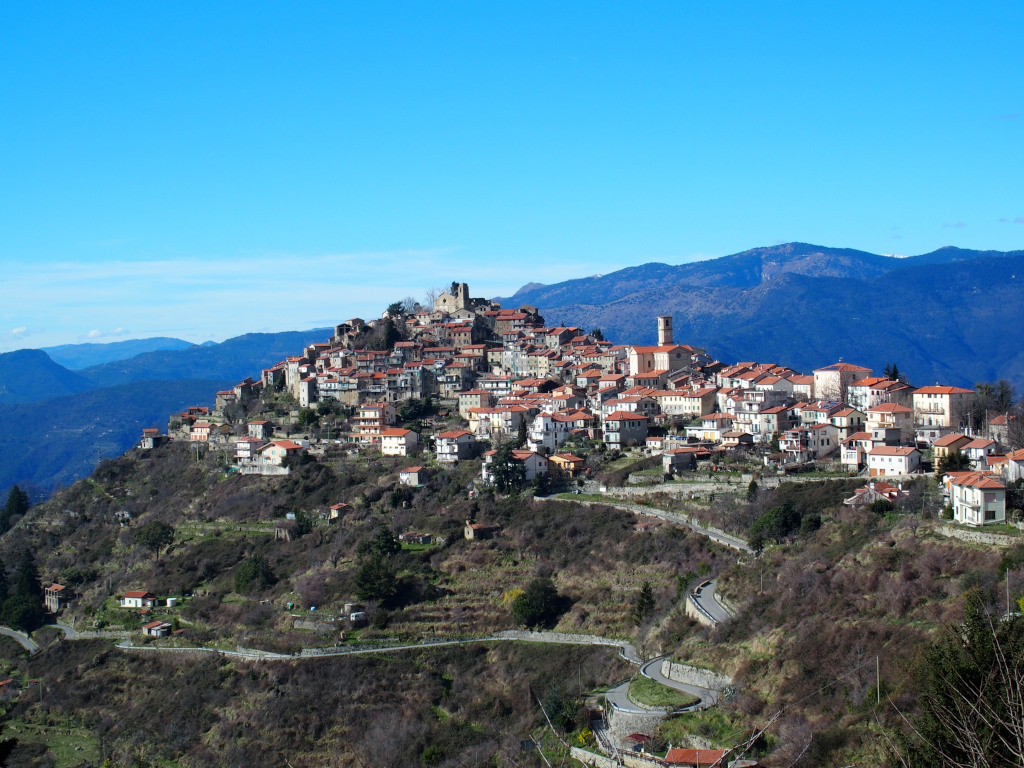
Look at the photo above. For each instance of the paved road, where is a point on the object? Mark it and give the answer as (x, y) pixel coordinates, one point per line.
(23, 640)
(708, 696)
(706, 596)
(626, 649)
(618, 697)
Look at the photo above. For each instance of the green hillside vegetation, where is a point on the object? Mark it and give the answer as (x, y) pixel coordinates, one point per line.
(815, 610)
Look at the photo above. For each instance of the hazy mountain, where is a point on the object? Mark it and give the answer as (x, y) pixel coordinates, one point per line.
(78, 356)
(54, 441)
(30, 374)
(233, 359)
(57, 430)
(948, 316)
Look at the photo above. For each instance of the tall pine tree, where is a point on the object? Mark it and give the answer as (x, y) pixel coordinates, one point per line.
(17, 505)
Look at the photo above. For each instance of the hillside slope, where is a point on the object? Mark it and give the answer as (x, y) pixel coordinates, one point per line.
(30, 374)
(57, 441)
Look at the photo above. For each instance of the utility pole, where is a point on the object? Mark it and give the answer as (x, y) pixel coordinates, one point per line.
(878, 683)
(1007, 593)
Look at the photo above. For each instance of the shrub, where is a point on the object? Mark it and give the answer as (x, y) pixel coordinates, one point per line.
(538, 605)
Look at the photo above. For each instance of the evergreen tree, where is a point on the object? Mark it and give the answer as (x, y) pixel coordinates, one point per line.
(752, 490)
(17, 505)
(509, 473)
(253, 575)
(538, 604)
(385, 544)
(521, 434)
(23, 608)
(970, 688)
(954, 461)
(644, 604)
(377, 580)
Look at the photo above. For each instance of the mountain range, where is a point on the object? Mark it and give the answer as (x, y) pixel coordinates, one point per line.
(952, 315)
(55, 423)
(78, 356)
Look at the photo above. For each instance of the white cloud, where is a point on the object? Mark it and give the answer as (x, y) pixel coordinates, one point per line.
(202, 298)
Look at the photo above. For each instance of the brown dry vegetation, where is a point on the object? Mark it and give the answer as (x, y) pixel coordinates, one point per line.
(832, 599)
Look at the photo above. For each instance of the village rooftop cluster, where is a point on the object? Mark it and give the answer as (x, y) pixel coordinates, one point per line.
(555, 393)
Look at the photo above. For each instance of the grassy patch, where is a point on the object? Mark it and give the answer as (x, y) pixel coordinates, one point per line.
(70, 746)
(646, 691)
(712, 724)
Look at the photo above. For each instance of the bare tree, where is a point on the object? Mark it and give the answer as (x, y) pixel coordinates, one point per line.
(431, 297)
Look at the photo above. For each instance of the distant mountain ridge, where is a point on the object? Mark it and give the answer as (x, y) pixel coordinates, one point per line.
(78, 356)
(30, 374)
(944, 316)
(54, 420)
(232, 359)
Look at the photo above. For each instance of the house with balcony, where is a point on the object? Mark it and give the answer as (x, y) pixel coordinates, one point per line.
(248, 448)
(623, 429)
(853, 451)
(891, 423)
(533, 464)
(809, 443)
(565, 465)
(454, 446)
(977, 498)
(978, 451)
(942, 406)
(372, 420)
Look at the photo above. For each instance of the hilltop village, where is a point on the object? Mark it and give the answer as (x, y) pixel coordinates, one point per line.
(467, 379)
(567, 547)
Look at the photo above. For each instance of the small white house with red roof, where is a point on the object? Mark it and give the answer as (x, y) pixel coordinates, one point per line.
(138, 599)
(277, 451)
(398, 442)
(413, 477)
(893, 460)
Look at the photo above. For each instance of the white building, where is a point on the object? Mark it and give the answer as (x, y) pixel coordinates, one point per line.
(978, 498)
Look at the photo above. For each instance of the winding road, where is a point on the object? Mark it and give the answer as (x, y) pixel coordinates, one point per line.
(706, 596)
(23, 640)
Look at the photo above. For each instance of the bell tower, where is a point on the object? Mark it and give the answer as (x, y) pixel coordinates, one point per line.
(664, 330)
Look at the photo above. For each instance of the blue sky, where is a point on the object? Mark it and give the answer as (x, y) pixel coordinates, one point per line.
(202, 171)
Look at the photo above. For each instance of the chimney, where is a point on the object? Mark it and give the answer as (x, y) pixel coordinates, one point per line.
(664, 330)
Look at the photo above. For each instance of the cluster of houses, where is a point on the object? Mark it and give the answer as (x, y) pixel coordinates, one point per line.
(509, 373)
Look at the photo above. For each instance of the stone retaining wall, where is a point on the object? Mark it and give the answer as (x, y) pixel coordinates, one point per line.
(698, 614)
(621, 724)
(316, 626)
(979, 537)
(702, 678)
(600, 761)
